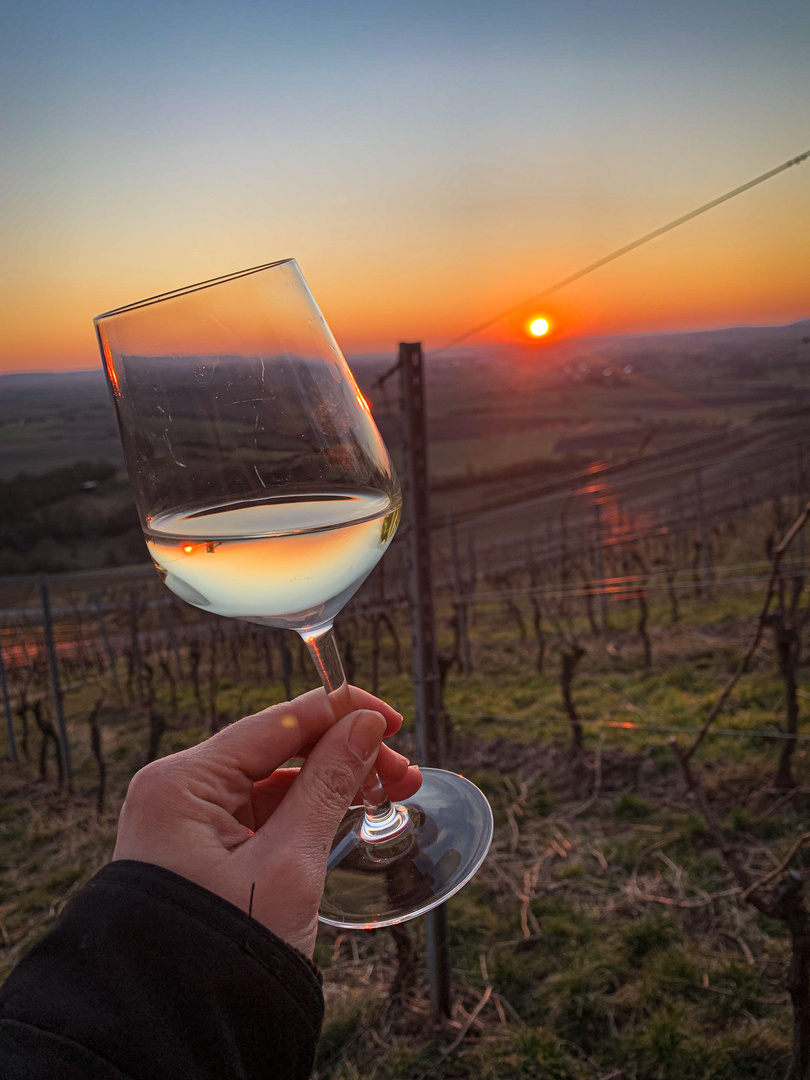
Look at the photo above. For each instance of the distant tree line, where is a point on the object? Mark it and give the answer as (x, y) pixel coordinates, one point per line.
(74, 518)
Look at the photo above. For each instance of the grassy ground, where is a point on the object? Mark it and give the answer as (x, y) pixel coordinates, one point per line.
(603, 937)
(593, 944)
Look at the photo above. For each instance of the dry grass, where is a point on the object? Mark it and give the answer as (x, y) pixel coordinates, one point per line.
(601, 938)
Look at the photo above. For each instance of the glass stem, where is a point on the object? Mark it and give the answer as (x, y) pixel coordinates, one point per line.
(382, 820)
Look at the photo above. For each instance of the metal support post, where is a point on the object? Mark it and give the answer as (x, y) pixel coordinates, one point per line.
(47, 625)
(438, 963)
(425, 661)
(12, 742)
(800, 496)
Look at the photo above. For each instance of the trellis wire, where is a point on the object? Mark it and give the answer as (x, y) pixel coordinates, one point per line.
(626, 725)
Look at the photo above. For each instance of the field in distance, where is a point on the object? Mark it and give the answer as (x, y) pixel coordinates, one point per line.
(490, 408)
(499, 419)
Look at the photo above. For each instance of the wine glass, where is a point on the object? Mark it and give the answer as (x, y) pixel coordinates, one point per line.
(265, 493)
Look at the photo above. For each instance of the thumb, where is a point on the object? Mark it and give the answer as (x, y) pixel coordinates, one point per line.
(329, 778)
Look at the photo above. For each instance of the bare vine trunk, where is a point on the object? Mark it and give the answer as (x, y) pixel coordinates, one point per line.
(195, 656)
(49, 737)
(788, 651)
(675, 615)
(514, 611)
(235, 643)
(407, 956)
(167, 671)
(22, 712)
(537, 622)
(385, 618)
(375, 654)
(269, 667)
(213, 680)
(95, 746)
(157, 726)
(570, 658)
(642, 626)
(789, 906)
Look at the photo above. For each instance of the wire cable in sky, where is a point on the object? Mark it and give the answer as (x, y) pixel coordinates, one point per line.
(621, 251)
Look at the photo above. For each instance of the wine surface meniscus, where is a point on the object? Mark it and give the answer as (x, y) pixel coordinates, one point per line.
(290, 561)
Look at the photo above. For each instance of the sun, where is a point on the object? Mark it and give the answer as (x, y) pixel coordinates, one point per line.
(538, 327)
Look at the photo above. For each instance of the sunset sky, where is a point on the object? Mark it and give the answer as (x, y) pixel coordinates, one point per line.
(428, 163)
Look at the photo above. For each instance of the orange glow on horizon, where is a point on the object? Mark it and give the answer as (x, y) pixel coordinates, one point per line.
(666, 287)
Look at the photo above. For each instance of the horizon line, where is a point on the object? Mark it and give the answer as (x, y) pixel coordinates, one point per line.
(380, 353)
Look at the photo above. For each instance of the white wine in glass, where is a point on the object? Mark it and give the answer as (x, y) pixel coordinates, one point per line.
(266, 494)
(289, 561)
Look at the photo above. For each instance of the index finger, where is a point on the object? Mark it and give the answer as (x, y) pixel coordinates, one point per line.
(259, 744)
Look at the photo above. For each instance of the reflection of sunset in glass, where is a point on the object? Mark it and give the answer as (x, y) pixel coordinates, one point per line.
(538, 327)
(271, 560)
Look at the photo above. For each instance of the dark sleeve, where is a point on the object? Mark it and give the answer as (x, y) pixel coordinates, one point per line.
(148, 976)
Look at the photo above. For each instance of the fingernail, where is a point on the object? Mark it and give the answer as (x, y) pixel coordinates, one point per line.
(366, 734)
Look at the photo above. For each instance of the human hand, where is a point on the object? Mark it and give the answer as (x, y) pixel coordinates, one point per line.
(226, 816)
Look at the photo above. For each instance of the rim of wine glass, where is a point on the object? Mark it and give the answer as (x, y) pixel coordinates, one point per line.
(189, 289)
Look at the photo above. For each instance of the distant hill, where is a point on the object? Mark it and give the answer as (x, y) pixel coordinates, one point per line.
(50, 420)
(53, 419)
(25, 386)
(735, 335)
(713, 344)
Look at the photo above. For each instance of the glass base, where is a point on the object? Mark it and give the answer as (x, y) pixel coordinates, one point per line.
(382, 883)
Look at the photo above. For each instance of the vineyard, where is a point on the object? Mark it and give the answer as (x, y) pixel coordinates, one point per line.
(620, 657)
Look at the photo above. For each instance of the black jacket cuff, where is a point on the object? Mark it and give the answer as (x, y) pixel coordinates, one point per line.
(150, 976)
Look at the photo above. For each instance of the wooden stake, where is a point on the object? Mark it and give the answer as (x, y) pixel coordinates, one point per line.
(425, 660)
